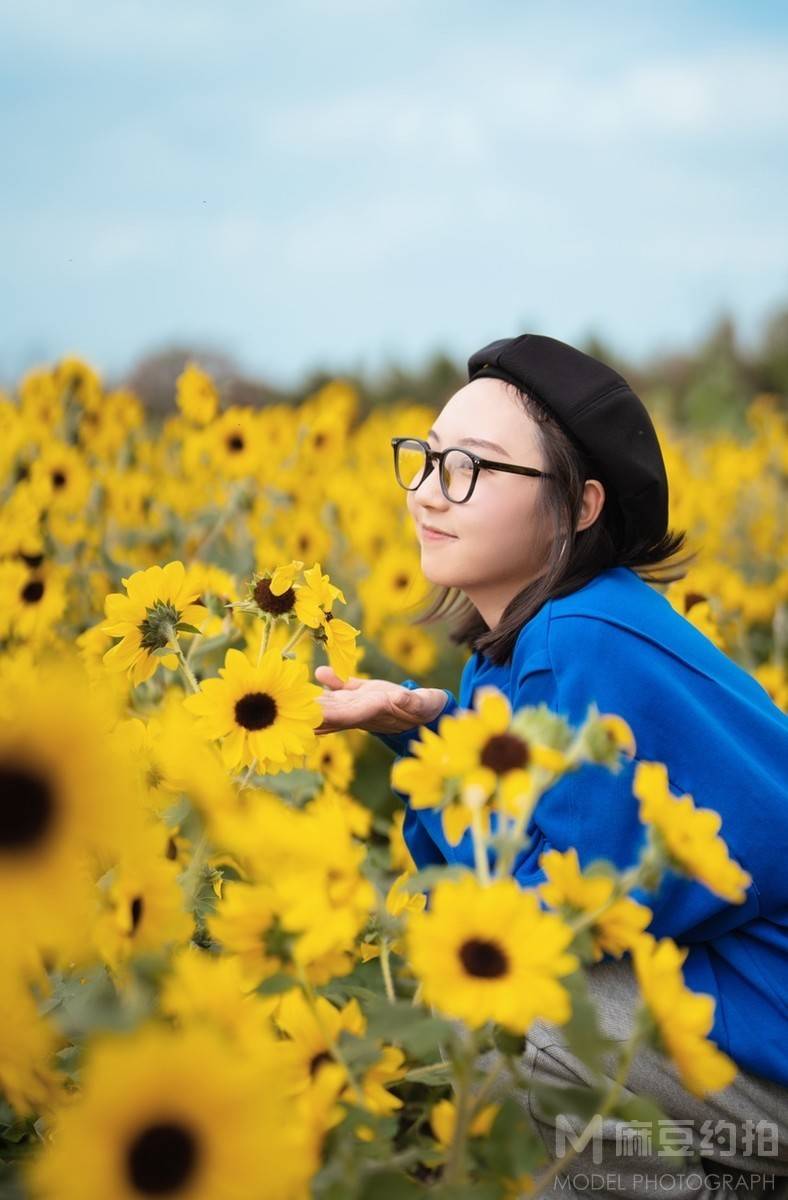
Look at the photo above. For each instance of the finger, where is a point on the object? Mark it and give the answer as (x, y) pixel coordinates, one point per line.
(327, 676)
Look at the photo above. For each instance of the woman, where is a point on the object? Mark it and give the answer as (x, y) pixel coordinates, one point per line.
(549, 507)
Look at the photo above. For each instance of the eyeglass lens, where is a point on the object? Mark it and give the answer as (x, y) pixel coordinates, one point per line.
(456, 475)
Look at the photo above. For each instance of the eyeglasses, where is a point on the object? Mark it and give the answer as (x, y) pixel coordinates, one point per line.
(458, 469)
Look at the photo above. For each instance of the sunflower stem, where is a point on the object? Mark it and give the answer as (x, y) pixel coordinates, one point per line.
(247, 773)
(487, 1082)
(479, 848)
(188, 674)
(192, 876)
(264, 636)
(196, 639)
(298, 634)
(385, 966)
(456, 1169)
(236, 492)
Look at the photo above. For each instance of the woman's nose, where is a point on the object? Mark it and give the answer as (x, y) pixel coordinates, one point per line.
(429, 490)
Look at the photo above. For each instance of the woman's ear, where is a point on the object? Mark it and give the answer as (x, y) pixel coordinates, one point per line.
(593, 502)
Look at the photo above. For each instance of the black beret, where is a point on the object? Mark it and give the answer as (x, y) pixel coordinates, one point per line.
(600, 413)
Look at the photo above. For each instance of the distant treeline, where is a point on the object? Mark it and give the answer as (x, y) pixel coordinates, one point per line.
(708, 386)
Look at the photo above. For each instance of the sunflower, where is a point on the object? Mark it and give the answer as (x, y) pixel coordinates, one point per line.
(395, 586)
(247, 924)
(315, 597)
(60, 479)
(443, 1119)
(683, 1017)
(178, 1114)
(146, 620)
(293, 533)
(688, 834)
(488, 755)
(170, 758)
(27, 1041)
(410, 648)
(333, 758)
(196, 395)
(32, 602)
(201, 986)
(310, 865)
(142, 903)
(315, 1030)
(489, 953)
(67, 802)
(266, 712)
(340, 642)
(476, 755)
(617, 928)
(235, 443)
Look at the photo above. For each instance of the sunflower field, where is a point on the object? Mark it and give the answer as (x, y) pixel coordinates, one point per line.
(220, 975)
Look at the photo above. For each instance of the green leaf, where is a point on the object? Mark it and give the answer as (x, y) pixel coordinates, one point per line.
(513, 1146)
(582, 1031)
(404, 1025)
(183, 627)
(572, 1099)
(429, 876)
(359, 1052)
(511, 1044)
(435, 1075)
(390, 1185)
(643, 1108)
(275, 984)
(489, 1190)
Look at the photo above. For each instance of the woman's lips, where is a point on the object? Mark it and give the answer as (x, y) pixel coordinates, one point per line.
(430, 535)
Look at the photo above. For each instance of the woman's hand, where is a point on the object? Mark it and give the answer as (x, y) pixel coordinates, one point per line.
(376, 705)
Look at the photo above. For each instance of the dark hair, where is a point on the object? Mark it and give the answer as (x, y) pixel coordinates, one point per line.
(597, 547)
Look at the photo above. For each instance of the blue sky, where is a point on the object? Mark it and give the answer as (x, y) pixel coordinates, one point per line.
(343, 185)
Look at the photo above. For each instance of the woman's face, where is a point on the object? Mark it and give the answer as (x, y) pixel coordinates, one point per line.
(498, 544)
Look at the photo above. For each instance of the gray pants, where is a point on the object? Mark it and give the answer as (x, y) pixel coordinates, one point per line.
(740, 1133)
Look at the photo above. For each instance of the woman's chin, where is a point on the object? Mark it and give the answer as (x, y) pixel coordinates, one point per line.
(433, 574)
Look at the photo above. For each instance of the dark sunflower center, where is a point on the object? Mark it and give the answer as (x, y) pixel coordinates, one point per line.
(137, 909)
(265, 599)
(235, 443)
(693, 598)
(157, 627)
(58, 479)
(255, 710)
(504, 752)
(162, 1158)
(34, 561)
(304, 542)
(317, 1061)
(278, 941)
(485, 960)
(400, 582)
(26, 808)
(33, 591)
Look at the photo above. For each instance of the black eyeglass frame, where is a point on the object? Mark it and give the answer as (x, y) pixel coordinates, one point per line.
(438, 455)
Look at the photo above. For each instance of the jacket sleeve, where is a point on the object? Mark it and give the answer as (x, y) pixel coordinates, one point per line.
(594, 809)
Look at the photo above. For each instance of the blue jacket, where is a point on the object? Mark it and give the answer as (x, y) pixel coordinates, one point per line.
(618, 642)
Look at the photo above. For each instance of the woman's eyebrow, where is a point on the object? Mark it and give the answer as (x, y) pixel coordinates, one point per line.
(470, 441)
